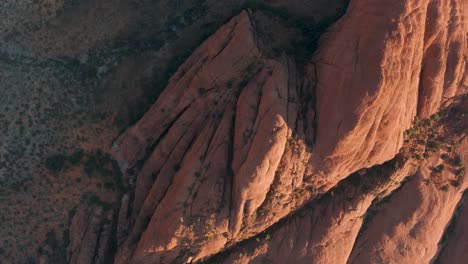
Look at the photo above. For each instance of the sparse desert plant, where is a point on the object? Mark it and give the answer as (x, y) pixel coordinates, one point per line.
(229, 84)
(455, 183)
(55, 162)
(433, 145)
(427, 181)
(201, 91)
(76, 157)
(30, 260)
(458, 161)
(439, 168)
(108, 185)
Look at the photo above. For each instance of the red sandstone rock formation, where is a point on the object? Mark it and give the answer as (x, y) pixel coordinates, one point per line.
(454, 251)
(372, 71)
(225, 131)
(409, 226)
(367, 220)
(90, 234)
(239, 141)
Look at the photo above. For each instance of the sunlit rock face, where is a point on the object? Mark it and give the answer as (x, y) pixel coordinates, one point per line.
(239, 141)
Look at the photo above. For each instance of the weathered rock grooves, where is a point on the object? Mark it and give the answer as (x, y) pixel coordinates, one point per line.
(239, 140)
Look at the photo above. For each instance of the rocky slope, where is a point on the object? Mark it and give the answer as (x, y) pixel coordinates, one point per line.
(74, 75)
(395, 212)
(228, 111)
(371, 79)
(250, 153)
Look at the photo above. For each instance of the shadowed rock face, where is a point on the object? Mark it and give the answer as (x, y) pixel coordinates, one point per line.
(239, 141)
(90, 235)
(453, 250)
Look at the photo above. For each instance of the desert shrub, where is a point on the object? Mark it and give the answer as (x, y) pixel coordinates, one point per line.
(31, 260)
(427, 181)
(94, 199)
(433, 145)
(458, 161)
(202, 91)
(72, 213)
(90, 165)
(99, 162)
(55, 162)
(455, 183)
(229, 84)
(439, 168)
(66, 236)
(76, 157)
(108, 185)
(51, 239)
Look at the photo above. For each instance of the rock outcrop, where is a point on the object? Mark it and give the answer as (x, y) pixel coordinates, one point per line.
(90, 235)
(409, 226)
(373, 72)
(224, 131)
(454, 250)
(395, 212)
(324, 231)
(240, 140)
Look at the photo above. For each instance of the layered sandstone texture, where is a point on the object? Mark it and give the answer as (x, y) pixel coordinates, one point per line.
(372, 72)
(393, 213)
(244, 145)
(90, 235)
(229, 123)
